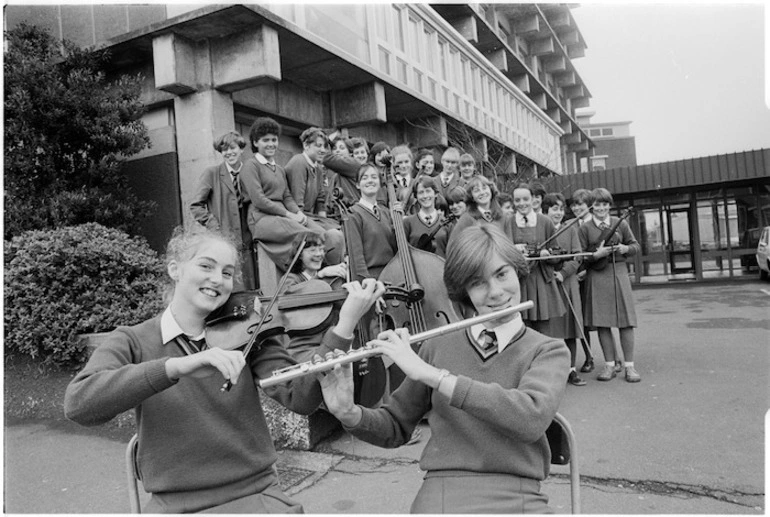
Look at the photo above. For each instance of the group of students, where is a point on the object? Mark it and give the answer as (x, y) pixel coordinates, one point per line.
(488, 393)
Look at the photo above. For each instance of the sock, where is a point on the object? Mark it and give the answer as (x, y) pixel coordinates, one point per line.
(572, 369)
(610, 363)
(628, 364)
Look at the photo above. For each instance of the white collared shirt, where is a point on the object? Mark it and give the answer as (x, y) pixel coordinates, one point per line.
(531, 220)
(366, 204)
(599, 223)
(586, 217)
(504, 332)
(264, 161)
(428, 218)
(445, 179)
(170, 329)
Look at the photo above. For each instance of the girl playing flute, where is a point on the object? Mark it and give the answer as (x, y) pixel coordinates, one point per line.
(489, 393)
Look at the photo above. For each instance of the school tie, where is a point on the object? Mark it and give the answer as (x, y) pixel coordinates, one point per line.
(191, 346)
(376, 211)
(489, 340)
(488, 346)
(237, 185)
(604, 226)
(428, 220)
(487, 215)
(526, 221)
(444, 182)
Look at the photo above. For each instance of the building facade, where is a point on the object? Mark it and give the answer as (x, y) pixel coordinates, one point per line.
(497, 77)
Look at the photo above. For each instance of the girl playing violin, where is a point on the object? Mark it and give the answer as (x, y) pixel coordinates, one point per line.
(423, 225)
(489, 393)
(608, 300)
(199, 448)
(527, 230)
(568, 327)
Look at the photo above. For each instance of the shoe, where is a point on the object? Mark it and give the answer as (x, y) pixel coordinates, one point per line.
(416, 436)
(574, 379)
(588, 366)
(631, 375)
(608, 373)
(618, 367)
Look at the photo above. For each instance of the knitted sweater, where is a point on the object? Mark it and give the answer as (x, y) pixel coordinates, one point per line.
(496, 419)
(191, 435)
(372, 241)
(306, 184)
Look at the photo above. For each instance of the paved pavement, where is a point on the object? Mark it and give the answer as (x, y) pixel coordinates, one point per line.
(687, 440)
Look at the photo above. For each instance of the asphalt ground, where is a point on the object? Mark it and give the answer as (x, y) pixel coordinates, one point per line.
(688, 439)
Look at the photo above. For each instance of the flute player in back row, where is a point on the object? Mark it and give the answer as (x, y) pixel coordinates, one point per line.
(489, 393)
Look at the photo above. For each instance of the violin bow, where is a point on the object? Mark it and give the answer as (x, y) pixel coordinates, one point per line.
(266, 312)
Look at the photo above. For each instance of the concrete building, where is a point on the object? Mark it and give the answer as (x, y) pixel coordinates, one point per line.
(615, 147)
(498, 77)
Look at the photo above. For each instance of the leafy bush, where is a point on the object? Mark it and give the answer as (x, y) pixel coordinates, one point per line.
(76, 279)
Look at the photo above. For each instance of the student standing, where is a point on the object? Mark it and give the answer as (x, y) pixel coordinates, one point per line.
(609, 301)
(199, 448)
(449, 177)
(580, 204)
(218, 203)
(482, 205)
(457, 199)
(488, 393)
(568, 327)
(528, 230)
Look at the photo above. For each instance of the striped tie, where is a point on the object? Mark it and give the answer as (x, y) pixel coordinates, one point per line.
(237, 186)
(490, 340)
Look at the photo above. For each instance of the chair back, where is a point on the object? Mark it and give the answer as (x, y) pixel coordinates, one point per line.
(132, 474)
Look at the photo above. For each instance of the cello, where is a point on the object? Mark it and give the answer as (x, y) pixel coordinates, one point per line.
(420, 274)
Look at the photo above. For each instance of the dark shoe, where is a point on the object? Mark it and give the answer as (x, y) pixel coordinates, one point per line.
(588, 366)
(575, 380)
(608, 373)
(631, 375)
(618, 367)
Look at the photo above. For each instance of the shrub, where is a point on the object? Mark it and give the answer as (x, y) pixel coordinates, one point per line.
(76, 279)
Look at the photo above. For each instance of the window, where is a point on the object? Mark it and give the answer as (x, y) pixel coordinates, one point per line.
(607, 131)
(594, 132)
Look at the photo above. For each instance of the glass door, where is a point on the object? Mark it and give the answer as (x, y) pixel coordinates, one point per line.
(680, 248)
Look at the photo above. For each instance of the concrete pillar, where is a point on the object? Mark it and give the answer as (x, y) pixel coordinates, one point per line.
(499, 58)
(200, 118)
(427, 132)
(467, 27)
(174, 64)
(364, 104)
(246, 59)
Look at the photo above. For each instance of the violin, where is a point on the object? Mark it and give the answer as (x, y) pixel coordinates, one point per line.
(425, 242)
(304, 309)
(608, 238)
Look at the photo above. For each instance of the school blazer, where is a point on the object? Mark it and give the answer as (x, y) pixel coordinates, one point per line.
(214, 202)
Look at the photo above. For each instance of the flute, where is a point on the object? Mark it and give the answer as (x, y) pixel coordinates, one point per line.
(359, 354)
(565, 256)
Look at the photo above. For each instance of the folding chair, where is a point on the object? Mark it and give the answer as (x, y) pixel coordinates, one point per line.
(561, 440)
(132, 472)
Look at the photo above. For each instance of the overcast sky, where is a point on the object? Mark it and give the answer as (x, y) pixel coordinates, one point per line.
(690, 77)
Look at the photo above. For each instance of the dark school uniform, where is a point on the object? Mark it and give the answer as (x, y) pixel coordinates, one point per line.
(415, 227)
(215, 205)
(566, 326)
(372, 241)
(266, 187)
(539, 285)
(608, 299)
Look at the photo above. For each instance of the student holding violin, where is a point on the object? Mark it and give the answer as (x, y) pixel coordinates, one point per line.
(201, 448)
(608, 300)
(489, 393)
(421, 227)
(529, 231)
